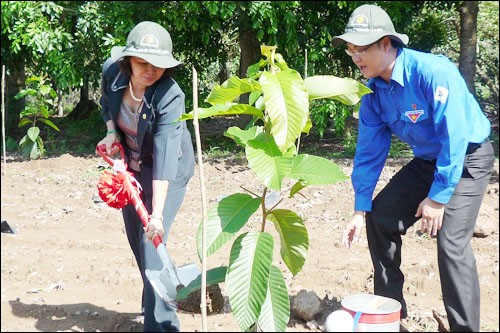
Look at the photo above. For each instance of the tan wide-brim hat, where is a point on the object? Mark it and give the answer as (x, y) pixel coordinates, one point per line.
(366, 25)
(149, 41)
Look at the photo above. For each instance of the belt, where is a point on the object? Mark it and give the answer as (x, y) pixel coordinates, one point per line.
(472, 147)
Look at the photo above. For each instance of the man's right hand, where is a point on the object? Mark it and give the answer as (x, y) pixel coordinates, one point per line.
(352, 231)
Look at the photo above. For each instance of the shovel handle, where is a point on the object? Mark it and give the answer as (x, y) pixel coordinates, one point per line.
(134, 193)
(101, 150)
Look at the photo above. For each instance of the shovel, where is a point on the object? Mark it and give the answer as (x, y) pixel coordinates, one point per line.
(166, 280)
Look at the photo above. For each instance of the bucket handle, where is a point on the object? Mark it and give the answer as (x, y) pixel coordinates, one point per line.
(372, 305)
(356, 320)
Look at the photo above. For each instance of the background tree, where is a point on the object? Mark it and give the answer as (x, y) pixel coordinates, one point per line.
(34, 41)
(468, 42)
(69, 40)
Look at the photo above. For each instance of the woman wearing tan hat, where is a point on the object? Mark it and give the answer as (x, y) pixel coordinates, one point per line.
(423, 100)
(140, 105)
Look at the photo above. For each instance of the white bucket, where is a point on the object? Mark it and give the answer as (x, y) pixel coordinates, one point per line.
(373, 313)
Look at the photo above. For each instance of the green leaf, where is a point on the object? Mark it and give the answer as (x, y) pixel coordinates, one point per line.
(293, 236)
(214, 276)
(287, 105)
(23, 141)
(35, 152)
(44, 111)
(299, 185)
(29, 149)
(254, 95)
(275, 312)
(254, 70)
(345, 90)
(225, 219)
(33, 133)
(41, 148)
(308, 126)
(45, 89)
(49, 123)
(241, 136)
(232, 88)
(248, 274)
(24, 122)
(280, 62)
(266, 160)
(25, 92)
(269, 52)
(223, 110)
(315, 170)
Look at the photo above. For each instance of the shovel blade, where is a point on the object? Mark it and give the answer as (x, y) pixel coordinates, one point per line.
(166, 281)
(163, 282)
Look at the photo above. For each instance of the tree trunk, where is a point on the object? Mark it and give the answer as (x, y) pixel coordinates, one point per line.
(85, 105)
(224, 72)
(250, 50)
(250, 54)
(60, 107)
(468, 42)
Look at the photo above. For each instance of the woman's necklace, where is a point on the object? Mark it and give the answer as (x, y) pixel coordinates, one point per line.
(132, 93)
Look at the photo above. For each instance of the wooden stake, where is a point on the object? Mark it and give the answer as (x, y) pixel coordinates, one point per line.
(203, 296)
(3, 121)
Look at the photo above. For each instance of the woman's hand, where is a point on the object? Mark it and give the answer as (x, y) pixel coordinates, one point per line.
(110, 138)
(352, 231)
(154, 227)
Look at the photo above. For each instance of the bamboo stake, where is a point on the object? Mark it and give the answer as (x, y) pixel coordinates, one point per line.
(203, 296)
(3, 121)
(305, 77)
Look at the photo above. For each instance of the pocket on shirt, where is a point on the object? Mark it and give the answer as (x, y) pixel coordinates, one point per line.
(414, 116)
(389, 118)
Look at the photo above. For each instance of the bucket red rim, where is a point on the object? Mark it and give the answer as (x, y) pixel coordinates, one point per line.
(371, 318)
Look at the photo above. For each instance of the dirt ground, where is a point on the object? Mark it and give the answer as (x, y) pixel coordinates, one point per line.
(68, 266)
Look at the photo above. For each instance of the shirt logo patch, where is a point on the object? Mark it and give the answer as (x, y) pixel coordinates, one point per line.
(414, 114)
(441, 94)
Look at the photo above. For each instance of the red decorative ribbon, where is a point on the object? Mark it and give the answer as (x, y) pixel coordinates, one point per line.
(112, 190)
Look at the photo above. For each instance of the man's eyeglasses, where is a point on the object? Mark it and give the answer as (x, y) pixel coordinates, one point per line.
(359, 52)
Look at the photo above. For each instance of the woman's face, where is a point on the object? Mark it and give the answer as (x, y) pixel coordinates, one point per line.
(143, 73)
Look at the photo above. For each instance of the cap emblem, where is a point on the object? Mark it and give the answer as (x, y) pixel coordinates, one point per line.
(360, 20)
(149, 41)
(358, 23)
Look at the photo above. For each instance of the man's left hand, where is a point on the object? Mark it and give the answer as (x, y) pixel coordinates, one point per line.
(432, 216)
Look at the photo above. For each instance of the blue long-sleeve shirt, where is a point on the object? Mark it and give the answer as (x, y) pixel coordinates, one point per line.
(428, 106)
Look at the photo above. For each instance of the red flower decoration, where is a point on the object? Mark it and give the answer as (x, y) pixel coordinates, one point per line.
(112, 190)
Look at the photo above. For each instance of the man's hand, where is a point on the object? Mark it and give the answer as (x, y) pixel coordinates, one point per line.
(432, 216)
(352, 231)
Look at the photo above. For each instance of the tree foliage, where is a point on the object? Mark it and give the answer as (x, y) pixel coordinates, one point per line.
(67, 41)
(279, 105)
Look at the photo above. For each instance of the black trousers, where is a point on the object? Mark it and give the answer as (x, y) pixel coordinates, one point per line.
(393, 212)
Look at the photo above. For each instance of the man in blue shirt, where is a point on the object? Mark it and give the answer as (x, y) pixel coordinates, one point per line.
(423, 100)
